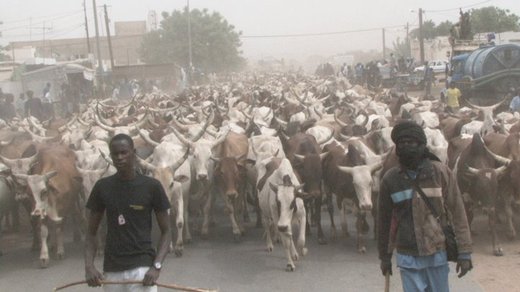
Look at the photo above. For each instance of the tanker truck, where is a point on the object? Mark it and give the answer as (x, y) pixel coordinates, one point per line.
(487, 74)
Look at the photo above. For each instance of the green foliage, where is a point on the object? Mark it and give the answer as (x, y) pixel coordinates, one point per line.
(443, 29)
(493, 19)
(215, 42)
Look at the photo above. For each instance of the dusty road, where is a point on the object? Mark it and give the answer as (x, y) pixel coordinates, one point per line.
(220, 263)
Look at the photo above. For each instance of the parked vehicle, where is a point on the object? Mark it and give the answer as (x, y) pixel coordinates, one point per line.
(438, 66)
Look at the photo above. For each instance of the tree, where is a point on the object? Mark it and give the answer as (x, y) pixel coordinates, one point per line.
(493, 19)
(443, 29)
(429, 31)
(215, 42)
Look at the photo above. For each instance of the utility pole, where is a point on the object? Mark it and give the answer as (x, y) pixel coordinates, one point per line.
(421, 35)
(189, 36)
(109, 40)
(100, 63)
(43, 28)
(86, 27)
(408, 48)
(384, 44)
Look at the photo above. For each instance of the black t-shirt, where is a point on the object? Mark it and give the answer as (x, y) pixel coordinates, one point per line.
(128, 206)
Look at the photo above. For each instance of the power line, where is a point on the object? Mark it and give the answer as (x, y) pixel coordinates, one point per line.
(319, 33)
(457, 8)
(36, 23)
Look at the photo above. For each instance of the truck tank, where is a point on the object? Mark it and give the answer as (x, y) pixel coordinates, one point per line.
(492, 72)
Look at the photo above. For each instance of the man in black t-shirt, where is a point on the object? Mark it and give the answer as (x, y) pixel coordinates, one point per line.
(128, 200)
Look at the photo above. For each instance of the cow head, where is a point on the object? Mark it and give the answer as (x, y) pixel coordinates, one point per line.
(362, 181)
(310, 172)
(286, 202)
(485, 180)
(228, 174)
(41, 190)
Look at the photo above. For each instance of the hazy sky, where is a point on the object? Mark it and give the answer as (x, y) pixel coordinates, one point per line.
(253, 18)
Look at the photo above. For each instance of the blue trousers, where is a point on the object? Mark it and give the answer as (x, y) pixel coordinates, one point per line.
(430, 279)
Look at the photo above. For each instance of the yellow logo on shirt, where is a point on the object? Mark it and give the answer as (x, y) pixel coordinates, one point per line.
(137, 207)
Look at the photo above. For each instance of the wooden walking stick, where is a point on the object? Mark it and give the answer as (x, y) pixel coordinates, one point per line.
(387, 282)
(168, 286)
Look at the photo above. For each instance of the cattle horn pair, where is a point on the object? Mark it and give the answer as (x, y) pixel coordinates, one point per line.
(499, 170)
(350, 169)
(302, 157)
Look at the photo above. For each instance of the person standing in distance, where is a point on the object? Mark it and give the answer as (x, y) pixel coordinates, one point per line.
(406, 222)
(128, 199)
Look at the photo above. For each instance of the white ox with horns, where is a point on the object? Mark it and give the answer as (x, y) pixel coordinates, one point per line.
(281, 206)
(169, 166)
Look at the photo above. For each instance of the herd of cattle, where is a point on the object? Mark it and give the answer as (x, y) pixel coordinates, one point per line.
(280, 145)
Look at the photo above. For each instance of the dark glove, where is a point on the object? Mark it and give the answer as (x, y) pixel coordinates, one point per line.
(463, 266)
(386, 267)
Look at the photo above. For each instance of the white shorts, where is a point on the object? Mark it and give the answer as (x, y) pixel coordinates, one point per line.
(136, 274)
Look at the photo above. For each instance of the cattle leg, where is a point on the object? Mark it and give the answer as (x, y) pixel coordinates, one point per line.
(497, 249)
(60, 249)
(317, 209)
(343, 218)
(361, 230)
(288, 245)
(230, 204)
(330, 209)
(268, 227)
(302, 218)
(206, 214)
(511, 232)
(44, 251)
(179, 223)
(187, 233)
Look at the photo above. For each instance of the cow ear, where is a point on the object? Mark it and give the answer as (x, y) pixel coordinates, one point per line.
(294, 206)
(50, 175)
(250, 161)
(181, 178)
(273, 187)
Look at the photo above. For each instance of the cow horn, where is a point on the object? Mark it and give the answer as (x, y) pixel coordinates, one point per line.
(268, 114)
(147, 138)
(500, 170)
(484, 108)
(50, 175)
(281, 122)
(150, 167)
(13, 162)
(299, 157)
(323, 155)
(152, 122)
(344, 137)
(203, 130)
(5, 143)
(346, 169)
(179, 162)
(473, 170)
(37, 137)
(341, 123)
(500, 159)
(375, 166)
(108, 160)
(327, 138)
(98, 121)
(83, 122)
(179, 125)
(320, 115)
(181, 137)
(68, 124)
(139, 123)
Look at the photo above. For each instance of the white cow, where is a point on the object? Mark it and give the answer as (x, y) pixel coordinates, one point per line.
(280, 206)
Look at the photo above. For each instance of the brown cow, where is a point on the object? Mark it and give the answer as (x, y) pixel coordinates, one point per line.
(304, 153)
(477, 176)
(230, 180)
(55, 185)
(349, 178)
